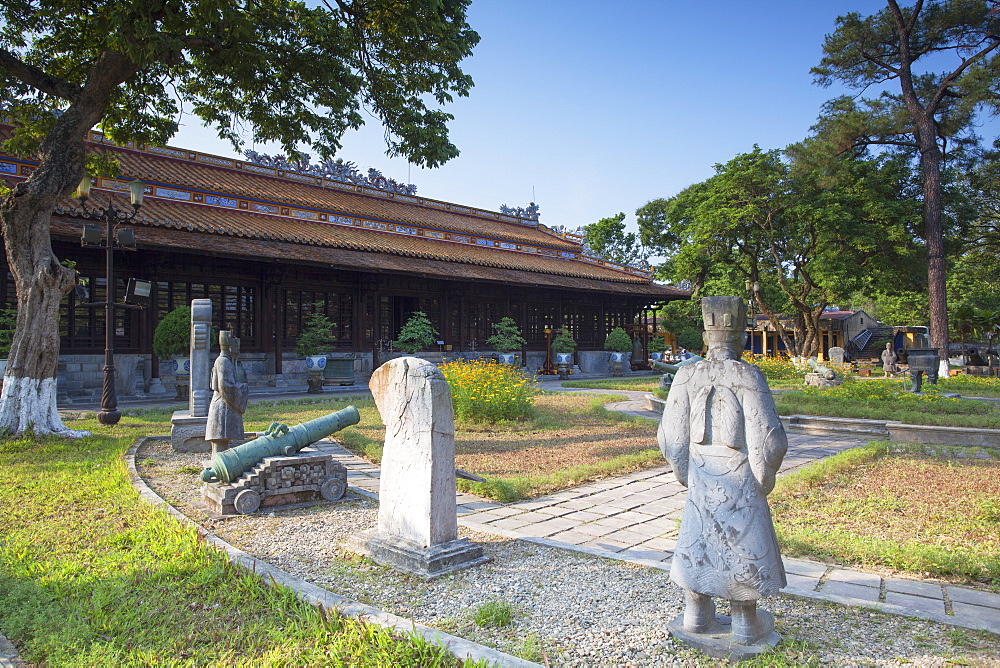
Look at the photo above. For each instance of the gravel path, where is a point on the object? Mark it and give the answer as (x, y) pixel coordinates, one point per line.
(570, 609)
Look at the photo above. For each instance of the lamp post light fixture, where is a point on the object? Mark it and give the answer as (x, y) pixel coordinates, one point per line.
(125, 239)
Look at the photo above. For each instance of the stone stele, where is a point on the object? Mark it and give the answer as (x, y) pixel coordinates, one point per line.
(721, 433)
(187, 433)
(417, 520)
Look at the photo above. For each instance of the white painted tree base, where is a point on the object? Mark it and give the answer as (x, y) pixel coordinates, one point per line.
(29, 404)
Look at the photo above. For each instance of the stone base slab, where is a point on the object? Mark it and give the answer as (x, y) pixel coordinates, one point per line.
(406, 555)
(717, 641)
(187, 434)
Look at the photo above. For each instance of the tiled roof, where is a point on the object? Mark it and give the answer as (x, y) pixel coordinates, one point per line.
(217, 244)
(234, 199)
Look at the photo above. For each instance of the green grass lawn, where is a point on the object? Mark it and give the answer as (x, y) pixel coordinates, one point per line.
(924, 511)
(641, 384)
(90, 575)
(570, 439)
(885, 400)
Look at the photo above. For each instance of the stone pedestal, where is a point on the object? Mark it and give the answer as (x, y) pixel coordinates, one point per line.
(717, 641)
(413, 557)
(187, 433)
(156, 388)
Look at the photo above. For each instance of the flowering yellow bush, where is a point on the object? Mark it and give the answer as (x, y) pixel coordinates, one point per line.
(879, 390)
(965, 381)
(774, 368)
(489, 392)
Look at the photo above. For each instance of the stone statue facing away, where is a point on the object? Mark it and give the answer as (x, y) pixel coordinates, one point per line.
(889, 359)
(229, 398)
(721, 433)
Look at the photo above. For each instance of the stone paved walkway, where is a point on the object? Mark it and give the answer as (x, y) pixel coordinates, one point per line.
(635, 517)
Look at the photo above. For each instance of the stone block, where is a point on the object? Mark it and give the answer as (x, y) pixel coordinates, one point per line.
(717, 641)
(187, 434)
(412, 557)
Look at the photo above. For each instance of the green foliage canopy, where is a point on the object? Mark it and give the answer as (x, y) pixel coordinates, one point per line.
(507, 336)
(563, 342)
(316, 335)
(418, 333)
(608, 239)
(285, 71)
(934, 68)
(791, 236)
(618, 341)
(172, 335)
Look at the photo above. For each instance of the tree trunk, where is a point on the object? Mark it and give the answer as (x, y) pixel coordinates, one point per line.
(28, 401)
(930, 164)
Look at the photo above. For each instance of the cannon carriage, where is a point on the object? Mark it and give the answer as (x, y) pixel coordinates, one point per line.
(277, 468)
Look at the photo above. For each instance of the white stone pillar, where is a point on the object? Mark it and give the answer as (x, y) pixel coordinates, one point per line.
(417, 522)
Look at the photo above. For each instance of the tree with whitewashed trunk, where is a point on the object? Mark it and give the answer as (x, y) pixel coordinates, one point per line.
(290, 73)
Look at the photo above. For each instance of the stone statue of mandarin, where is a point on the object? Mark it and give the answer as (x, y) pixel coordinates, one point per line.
(229, 398)
(721, 433)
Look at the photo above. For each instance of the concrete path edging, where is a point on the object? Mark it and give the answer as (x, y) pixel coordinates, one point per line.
(9, 658)
(314, 595)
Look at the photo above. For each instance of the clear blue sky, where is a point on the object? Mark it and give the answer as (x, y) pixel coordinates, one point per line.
(598, 107)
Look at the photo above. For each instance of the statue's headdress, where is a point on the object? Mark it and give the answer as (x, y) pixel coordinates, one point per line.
(724, 313)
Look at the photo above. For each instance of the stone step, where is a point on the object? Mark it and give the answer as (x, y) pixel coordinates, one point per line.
(834, 426)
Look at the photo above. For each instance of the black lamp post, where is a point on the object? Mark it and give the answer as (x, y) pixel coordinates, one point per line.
(112, 217)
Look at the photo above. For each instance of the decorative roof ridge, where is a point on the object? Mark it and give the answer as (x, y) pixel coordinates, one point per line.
(300, 212)
(248, 167)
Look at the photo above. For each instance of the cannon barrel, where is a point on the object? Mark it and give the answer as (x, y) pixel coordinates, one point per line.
(279, 439)
(665, 368)
(674, 368)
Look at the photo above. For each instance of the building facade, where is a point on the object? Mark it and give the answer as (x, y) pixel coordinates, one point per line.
(269, 245)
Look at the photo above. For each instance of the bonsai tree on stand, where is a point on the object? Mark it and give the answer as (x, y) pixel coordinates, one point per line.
(620, 344)
(312, 343)
(172, 339)
(506, 339)
(418, 333)
(563, 346)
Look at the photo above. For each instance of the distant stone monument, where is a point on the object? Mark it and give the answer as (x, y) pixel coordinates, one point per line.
(229, 401)
(417, 519)
(836, 355)
(188, 431)
(889, 359)
(721, 433)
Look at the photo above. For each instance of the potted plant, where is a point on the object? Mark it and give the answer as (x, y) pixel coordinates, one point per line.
(620, 345)
(506, 339)
(656, 347)
(172, 340)
(563, 346)
(8, 321)
(314, 339)
(416, 334)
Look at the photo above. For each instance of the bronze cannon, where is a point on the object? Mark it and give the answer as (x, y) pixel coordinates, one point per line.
(279, 439)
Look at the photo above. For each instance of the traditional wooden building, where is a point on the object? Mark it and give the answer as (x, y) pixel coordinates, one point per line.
(268, 244)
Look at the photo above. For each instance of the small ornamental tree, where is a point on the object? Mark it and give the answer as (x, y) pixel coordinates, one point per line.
(173, 335)
(417, 333)
(618, 341)
(507, 337)
(316, 335)
(656, 344)
(563, 342)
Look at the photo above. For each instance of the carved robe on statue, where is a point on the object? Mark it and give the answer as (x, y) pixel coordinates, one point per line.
(229, 398)
(721, 433)
(726, 547)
